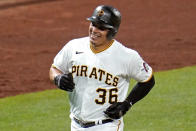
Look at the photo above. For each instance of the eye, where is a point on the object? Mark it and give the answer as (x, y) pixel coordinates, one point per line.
(100, 27)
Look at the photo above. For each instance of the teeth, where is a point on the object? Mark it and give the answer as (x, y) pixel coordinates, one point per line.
(95, 36)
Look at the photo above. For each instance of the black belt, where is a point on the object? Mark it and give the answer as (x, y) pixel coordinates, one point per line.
(90, 124)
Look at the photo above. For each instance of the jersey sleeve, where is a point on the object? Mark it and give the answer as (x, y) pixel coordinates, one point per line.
(139, 69)
(61, 60)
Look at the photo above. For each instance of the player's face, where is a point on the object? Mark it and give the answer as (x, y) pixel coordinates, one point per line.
(97, 34)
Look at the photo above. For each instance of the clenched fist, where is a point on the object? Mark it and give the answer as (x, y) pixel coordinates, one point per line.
(64, 82)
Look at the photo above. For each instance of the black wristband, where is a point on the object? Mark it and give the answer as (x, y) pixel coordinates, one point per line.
(56, 79)
(128, 102)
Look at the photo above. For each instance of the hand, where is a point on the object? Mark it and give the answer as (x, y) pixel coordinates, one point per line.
(64, 82)
(118, 109)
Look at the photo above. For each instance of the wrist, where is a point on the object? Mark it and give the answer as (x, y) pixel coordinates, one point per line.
(56, 79)
(128, 103)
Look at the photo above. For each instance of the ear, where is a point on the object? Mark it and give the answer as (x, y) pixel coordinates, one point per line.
(111, 34)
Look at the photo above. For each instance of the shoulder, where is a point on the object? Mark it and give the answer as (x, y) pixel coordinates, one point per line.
(123, 50)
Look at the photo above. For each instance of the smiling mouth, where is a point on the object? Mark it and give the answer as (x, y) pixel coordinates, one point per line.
(95, 36)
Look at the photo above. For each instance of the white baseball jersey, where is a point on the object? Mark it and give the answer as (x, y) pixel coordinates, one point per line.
(101, 78)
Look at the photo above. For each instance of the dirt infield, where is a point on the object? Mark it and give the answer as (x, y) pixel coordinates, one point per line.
(33, 31)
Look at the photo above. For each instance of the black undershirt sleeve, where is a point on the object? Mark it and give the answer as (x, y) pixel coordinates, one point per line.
(140, 90)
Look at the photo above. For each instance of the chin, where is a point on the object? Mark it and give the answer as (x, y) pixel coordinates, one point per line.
(93, 41)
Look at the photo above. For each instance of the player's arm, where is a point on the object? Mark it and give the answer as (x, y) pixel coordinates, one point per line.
(140, 90)
(53, 73)
(62, 81)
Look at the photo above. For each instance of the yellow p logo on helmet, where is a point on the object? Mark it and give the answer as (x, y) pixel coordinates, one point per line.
(100, 13)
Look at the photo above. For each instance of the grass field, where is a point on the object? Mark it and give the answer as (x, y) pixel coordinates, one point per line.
(170, 106)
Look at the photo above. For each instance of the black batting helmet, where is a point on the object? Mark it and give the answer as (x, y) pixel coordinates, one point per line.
(108, 17)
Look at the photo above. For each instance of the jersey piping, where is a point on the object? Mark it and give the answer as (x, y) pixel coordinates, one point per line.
(104, 48)
(148, 78)
(119, 125)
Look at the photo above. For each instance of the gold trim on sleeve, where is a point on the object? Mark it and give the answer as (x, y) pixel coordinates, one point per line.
(148, 78)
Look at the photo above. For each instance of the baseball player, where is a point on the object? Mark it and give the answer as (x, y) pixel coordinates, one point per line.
(96, 72)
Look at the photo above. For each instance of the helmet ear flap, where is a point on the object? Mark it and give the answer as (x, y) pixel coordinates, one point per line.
(111, 34)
